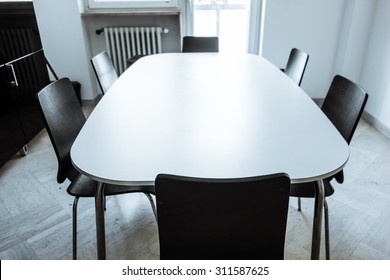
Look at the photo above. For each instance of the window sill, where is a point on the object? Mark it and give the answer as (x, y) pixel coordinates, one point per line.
(130, 12)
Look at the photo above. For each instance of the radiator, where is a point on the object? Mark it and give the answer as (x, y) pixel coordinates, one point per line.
(17, 42)
(125, 42)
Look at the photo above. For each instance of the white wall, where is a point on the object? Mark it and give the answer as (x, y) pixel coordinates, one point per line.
(310, 25)
(62, 36)
(375, 76)
(347, 37)
(354, 38)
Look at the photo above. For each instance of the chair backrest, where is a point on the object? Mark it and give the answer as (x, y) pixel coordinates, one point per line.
(222, 218)
(200, 44)
(344, 105)
(104, 71)
(63, 118)
(296, 65)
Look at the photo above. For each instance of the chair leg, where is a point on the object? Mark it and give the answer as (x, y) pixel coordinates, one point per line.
(152, 204)
(326, 215)
(74, 227)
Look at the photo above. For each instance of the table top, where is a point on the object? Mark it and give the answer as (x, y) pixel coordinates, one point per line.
(210, 116)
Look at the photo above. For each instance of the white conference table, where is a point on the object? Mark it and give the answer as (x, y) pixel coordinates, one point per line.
(210, 116)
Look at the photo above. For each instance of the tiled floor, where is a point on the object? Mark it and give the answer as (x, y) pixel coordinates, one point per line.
(35, 221)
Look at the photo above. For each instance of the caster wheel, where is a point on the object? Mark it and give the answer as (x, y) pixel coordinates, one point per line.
(24, 151)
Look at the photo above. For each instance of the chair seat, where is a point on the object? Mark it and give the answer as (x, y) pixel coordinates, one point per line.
(83, 186)
(308, 189)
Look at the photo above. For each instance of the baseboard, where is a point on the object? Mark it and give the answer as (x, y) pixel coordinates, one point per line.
(381, 127)
(91, 102)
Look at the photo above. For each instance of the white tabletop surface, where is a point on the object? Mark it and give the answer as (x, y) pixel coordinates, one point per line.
(206, 115)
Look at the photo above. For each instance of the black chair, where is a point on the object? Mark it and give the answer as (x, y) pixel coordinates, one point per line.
(63, 118)
(134, 59)
(343, 105)
(104, 71)
(222, 218)
(200, 44)
(296, 65)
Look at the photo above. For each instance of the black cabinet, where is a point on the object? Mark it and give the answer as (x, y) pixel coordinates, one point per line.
(23, 73)
(20, 119)
(11, 133)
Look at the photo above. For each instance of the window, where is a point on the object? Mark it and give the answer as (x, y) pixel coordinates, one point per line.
(131, 3)
(237, 23)
(228, 19)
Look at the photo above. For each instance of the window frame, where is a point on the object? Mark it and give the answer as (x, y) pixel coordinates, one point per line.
(131, 4)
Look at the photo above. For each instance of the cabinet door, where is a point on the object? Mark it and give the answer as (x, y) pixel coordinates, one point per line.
(30, 75)
(11, 133)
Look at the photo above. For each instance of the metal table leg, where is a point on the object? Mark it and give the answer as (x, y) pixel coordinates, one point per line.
(100, 228)
(317, 220)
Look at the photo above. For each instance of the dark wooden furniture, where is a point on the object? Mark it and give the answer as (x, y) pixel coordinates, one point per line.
(343, 105)
(200, 44)
(296, 65)
(216, 219)
(104, 71)
(23, 73)
(20, 120)
(64, 119)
